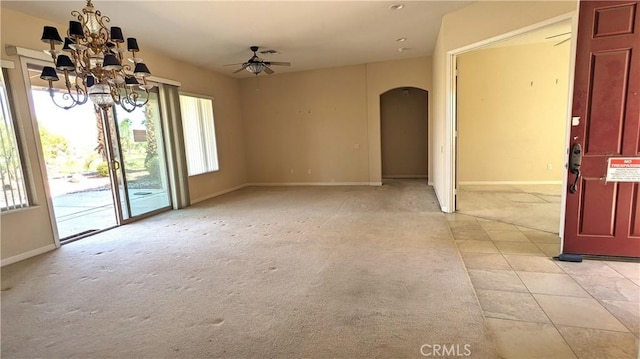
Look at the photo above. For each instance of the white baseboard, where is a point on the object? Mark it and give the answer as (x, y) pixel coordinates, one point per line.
(201, 199)
(284, 184)
(404, 177)
(488, 183)
(26, 255)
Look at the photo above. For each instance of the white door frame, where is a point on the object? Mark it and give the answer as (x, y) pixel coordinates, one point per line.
(451, 113)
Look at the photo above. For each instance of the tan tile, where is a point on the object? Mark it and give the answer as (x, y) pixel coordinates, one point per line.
(455, 217)
(541, 237)
(510, 305)
(477, 246)
(485, 261)
(507, 236)
(496, 280)
(597, 344)
(630, 270)
(533, 264)
(626, 312)
(528, 340)
(578, 312)
(470, 234)
(610, 288)
(589, 268)
(496, 226)
(552, 283)
(520, 248)
(549, 249)
(465, 225)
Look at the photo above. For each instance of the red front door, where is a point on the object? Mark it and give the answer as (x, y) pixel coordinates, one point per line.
(602, 217)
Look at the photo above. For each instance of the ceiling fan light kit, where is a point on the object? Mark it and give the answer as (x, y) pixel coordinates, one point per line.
(93, 63)
(256, 65)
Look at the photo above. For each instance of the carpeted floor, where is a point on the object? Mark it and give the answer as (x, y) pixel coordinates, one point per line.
(317, 272)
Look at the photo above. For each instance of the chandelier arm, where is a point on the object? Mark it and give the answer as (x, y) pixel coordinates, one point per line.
(115, 93)
(102, 20)
(65, 97)
(78, 15)
(131, 97)
(146, 100)
(82, 94)
(127, 105)
(83, 59)
(67, 82)
(79, 98)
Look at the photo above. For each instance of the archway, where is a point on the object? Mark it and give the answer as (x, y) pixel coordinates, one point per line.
(403, 133)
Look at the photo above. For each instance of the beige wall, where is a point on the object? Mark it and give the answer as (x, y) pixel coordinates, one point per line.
(403, 113)
(28, 230)
(326, 121)
(382, 77)
(307, 121)
(512, 105)
(474, 23)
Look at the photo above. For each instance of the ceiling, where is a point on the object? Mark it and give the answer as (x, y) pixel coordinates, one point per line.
(309, 34)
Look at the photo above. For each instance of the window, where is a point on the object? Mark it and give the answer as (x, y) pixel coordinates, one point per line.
(199, 134)
(14, 192)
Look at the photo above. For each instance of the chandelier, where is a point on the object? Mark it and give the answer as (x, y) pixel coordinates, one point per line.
(93, 62)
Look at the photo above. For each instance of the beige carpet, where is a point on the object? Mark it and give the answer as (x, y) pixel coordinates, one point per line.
(316, 272)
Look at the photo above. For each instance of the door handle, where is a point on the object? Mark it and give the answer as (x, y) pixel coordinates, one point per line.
(575, 161)
(116, 165)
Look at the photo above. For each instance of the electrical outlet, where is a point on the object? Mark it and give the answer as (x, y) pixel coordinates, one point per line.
(549, 166)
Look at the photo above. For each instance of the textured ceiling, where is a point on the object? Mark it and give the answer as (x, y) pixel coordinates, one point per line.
(309, 34)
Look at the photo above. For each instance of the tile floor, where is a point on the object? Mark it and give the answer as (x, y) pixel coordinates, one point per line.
(506, 203)
(536, 307)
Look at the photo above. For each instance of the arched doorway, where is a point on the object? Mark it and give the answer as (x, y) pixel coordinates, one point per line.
(403, 132)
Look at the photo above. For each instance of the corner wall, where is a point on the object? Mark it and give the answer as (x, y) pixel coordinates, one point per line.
(322, 126)
(474, 23)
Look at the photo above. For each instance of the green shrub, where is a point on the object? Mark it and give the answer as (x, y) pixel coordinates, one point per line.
(103, 169)
(153, 166)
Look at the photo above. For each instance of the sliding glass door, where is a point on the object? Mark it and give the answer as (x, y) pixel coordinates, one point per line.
(101, 172)
(143, 162)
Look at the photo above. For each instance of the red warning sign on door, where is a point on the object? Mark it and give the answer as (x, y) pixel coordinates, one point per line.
(623, 169)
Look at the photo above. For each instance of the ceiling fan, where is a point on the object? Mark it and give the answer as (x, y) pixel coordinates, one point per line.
(256, 65)
(558, 35)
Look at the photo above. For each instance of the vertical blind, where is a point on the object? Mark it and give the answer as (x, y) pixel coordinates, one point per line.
(14, 192)
(199, 134)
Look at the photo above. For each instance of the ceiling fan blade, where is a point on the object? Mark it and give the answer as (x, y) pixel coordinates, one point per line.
(278, 63)
(239, 63)
(564, 33)
(268, 71)
(562, 42)
(244, 66)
